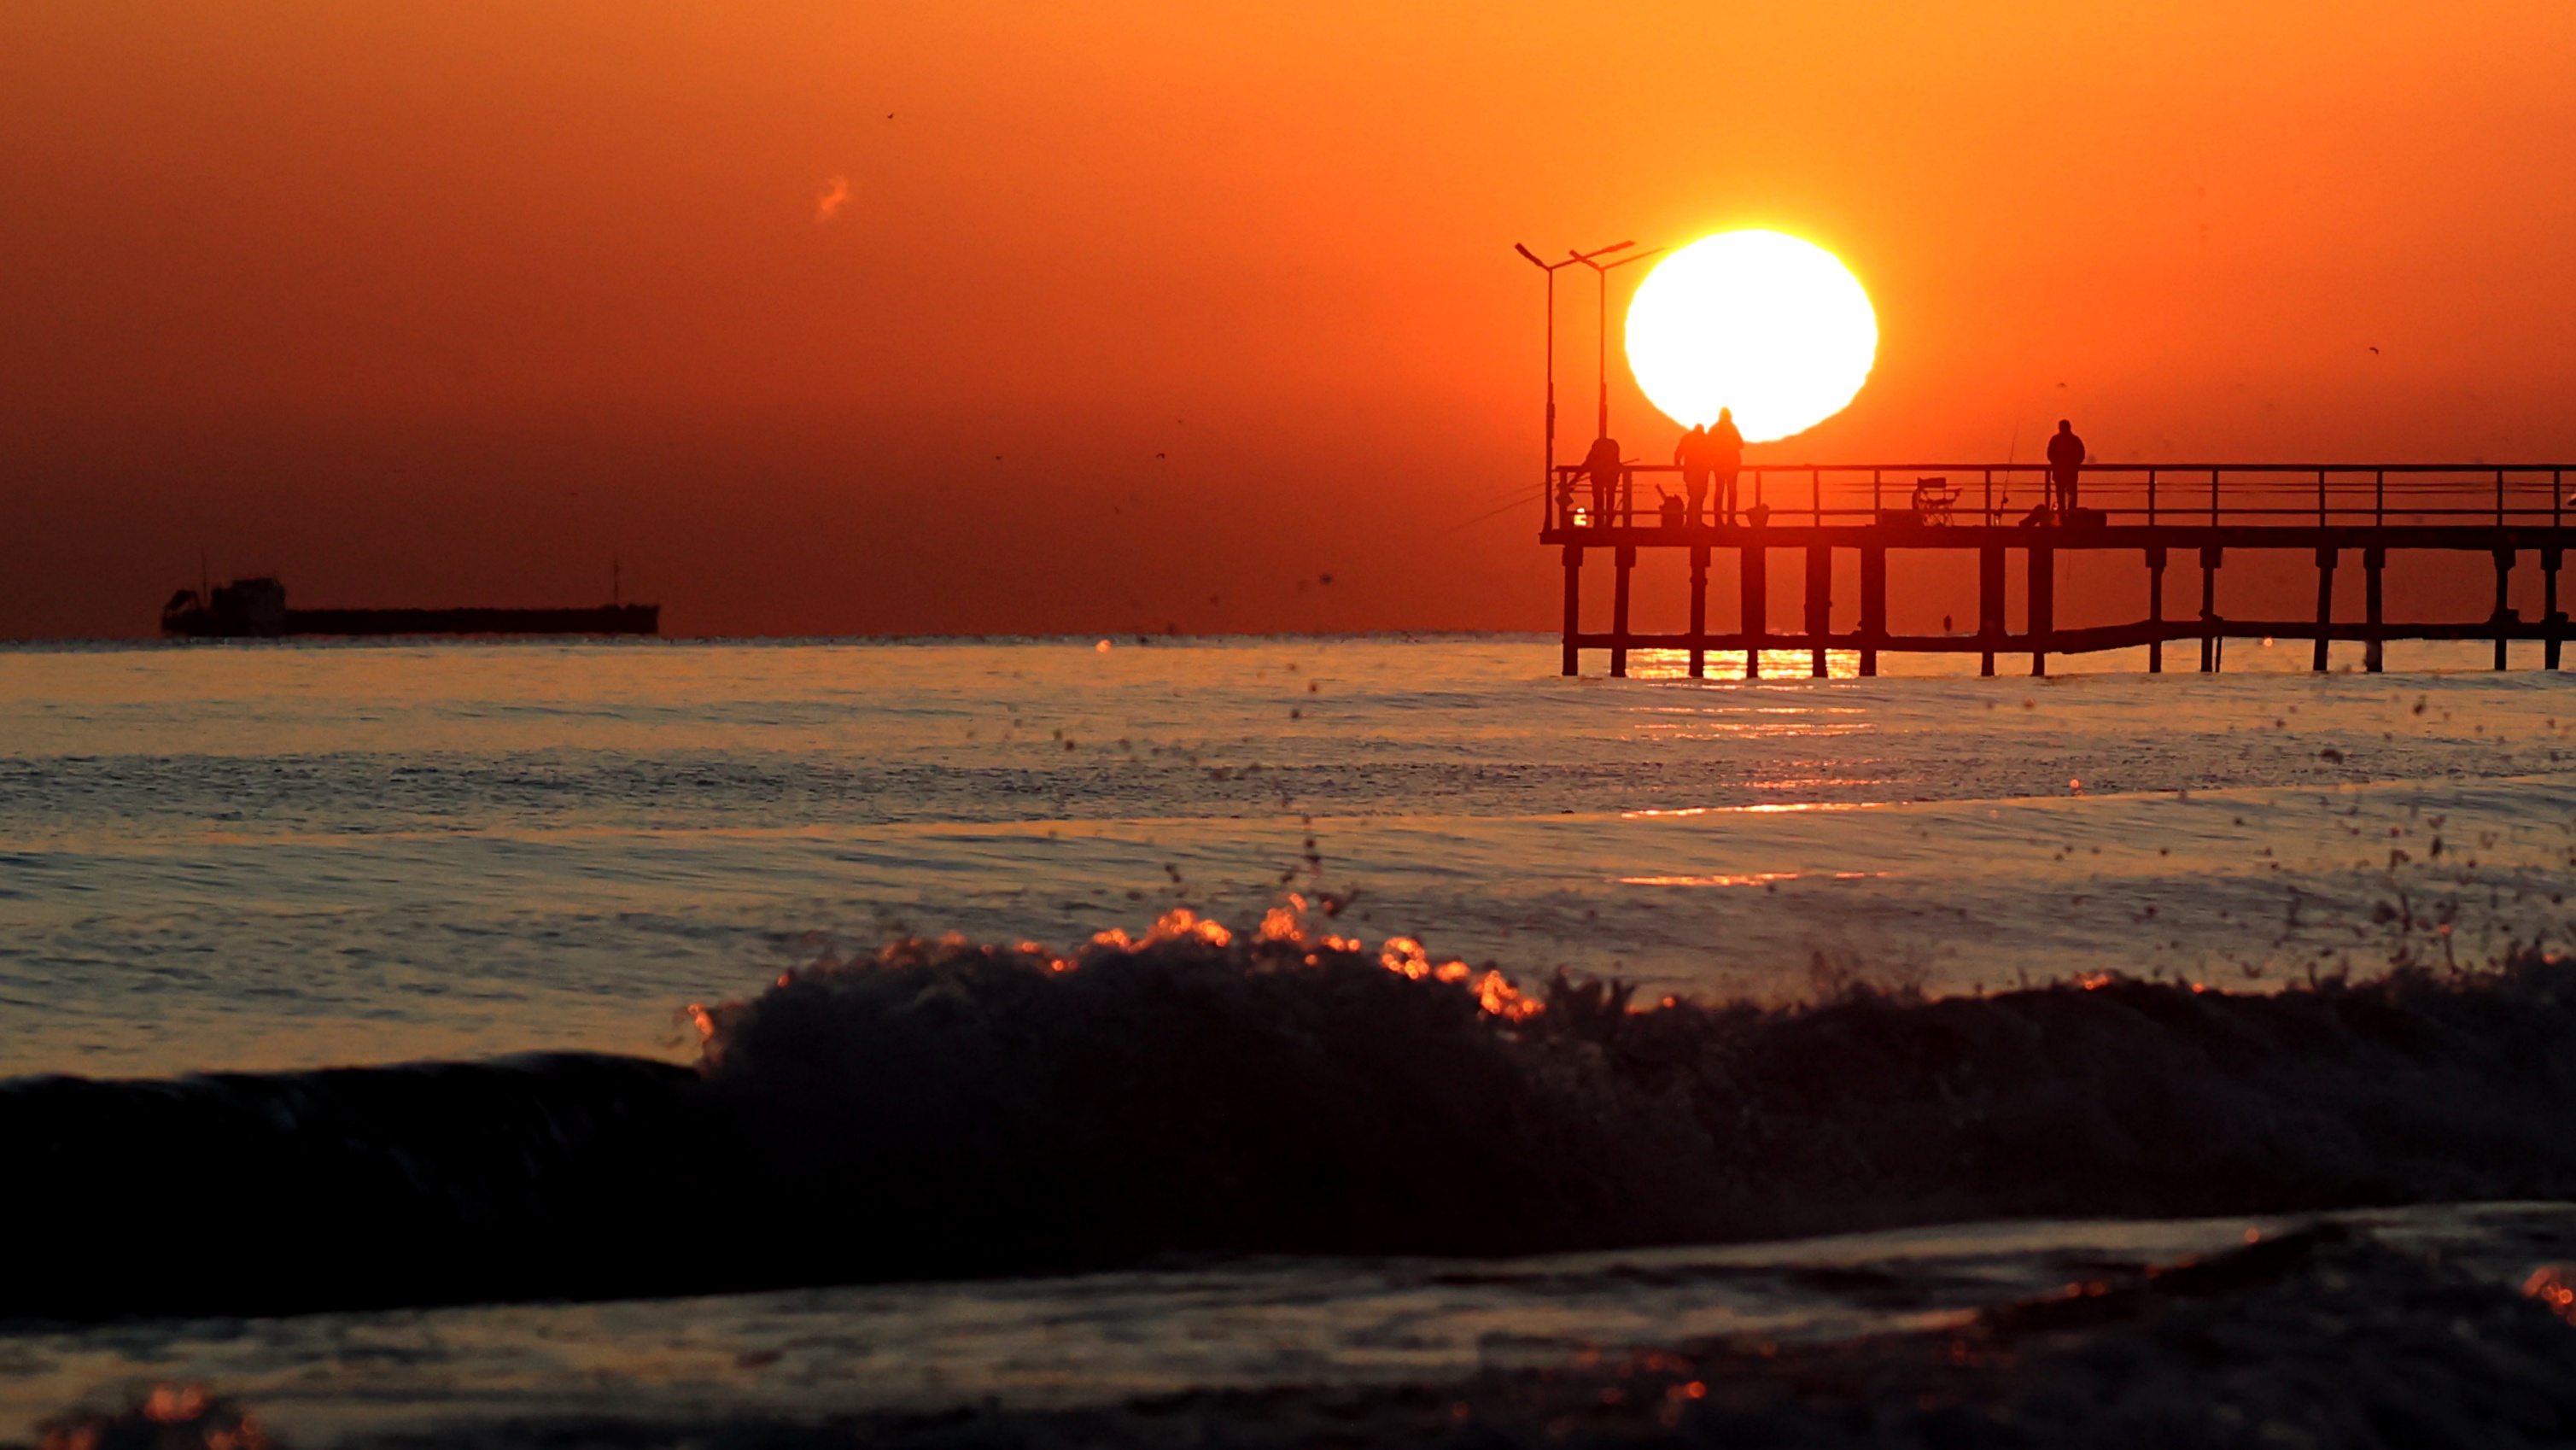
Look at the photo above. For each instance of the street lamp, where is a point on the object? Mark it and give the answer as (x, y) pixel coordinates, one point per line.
(1550, 269)
(1601, 272)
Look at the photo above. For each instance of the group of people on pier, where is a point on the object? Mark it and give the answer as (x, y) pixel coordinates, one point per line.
(1710, 457)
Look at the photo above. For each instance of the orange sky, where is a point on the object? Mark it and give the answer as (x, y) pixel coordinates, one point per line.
(1140, 315)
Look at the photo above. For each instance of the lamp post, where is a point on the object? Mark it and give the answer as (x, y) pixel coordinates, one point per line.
(1550, 268)
(1548, 474)
(1601, 272)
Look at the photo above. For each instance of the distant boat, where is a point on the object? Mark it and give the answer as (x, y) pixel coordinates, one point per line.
(256, 609)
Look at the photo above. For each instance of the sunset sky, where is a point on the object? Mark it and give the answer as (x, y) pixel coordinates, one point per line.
(882, 318)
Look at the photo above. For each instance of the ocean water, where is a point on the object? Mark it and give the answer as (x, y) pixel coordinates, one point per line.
(264, 856)
(1060, 1176)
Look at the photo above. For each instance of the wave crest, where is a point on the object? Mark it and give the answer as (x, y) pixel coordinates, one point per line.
(1196, 1090)
(952, 1107)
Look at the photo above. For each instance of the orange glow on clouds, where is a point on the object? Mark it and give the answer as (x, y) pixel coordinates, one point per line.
(834, 195)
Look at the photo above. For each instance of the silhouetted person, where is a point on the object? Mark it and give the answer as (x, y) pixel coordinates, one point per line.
(1692, 454)
(1725, 459)
(2065, 463)
(1602, 465)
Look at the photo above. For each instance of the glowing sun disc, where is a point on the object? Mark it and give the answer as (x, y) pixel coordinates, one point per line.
(1775, 328)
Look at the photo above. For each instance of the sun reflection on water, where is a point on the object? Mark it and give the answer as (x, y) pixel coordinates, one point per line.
(1766, 808)
(1753, 878)
(1777, 664)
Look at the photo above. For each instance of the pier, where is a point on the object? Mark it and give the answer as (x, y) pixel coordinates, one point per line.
(2165, 516)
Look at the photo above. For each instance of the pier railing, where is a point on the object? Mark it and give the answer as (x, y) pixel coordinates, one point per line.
(2508, 512)
(1995, 494)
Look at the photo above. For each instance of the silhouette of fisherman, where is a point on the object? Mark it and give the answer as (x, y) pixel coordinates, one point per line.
(1692, 454)
(1725, 459)
(2065, 464)
(1603, 467)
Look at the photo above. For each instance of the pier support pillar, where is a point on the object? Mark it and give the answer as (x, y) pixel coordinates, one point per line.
(1990, 604)
(2374, 652)
(2321, 656)
(1699, 612)
(2503, 611)
(2553, 625)
(1573, 607)
(2210, 559)
(2156, 608)
(1873, 606)
(1623, 562)
(1820, 605)
(2043, 606)
(1756, 593)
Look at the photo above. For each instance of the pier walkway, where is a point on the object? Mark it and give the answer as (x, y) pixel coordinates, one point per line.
(2164, 513)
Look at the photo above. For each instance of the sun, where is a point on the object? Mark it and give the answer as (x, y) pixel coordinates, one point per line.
(1775, 328)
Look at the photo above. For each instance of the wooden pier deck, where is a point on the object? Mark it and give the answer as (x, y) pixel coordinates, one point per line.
(2165, 514)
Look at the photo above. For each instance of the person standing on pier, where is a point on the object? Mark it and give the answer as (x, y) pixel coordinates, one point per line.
(1725, 459)
(1692, 454)
(1603, 466)
(2065, 464)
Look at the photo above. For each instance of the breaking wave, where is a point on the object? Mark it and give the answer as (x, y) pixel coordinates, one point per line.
(953, 1108)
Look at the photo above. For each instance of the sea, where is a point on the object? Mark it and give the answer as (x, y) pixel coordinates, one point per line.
(254, 862)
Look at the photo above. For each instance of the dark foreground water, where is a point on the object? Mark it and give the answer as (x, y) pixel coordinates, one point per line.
(1978, 992)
